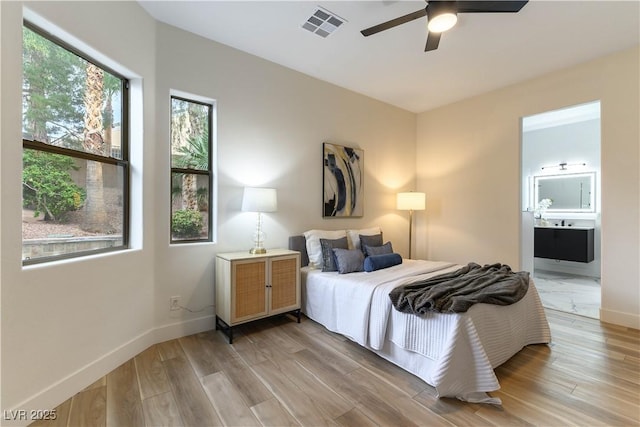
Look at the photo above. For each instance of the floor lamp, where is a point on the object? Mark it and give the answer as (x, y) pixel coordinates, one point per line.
(411, 201)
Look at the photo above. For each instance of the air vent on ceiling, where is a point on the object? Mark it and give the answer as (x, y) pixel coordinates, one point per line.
(323, 22)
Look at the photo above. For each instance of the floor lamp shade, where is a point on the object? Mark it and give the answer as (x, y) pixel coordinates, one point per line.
(259, 200)
(411, 201)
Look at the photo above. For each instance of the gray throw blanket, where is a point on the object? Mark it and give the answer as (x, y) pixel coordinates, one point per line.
(459, 290)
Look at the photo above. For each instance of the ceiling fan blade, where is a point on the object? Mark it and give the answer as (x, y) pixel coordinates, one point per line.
(394, 22)
(433, 40)
(489, 6)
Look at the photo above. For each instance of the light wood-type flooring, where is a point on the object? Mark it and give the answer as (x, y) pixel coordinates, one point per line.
(280, 373)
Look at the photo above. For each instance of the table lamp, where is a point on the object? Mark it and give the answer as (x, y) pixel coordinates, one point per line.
(259, 200)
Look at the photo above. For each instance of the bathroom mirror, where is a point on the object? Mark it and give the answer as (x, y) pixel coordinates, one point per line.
(568, 192)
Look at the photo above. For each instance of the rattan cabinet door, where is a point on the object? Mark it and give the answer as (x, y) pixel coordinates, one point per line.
(284, 284)
(248, 290)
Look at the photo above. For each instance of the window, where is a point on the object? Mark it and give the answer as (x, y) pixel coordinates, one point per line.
(75, 174)
(191, 176)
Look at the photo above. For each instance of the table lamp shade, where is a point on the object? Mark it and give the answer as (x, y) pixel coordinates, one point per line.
(259, 200)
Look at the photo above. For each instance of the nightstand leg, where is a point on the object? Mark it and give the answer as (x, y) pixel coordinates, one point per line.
(226, 329)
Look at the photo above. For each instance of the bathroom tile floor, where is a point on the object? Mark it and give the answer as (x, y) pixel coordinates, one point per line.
(565, 292)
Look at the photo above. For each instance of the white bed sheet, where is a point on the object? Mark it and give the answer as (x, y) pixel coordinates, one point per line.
(455, 353)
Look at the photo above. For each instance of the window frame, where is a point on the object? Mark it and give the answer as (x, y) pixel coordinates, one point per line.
(82, 155)
(209, 172)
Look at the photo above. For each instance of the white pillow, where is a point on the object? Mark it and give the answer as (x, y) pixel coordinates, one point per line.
(353, 236)
(314, 250)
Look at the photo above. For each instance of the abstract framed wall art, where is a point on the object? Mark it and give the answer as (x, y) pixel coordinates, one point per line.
(342, 181)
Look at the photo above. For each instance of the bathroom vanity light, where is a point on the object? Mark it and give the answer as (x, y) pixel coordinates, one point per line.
(259, 200)
(563, 166)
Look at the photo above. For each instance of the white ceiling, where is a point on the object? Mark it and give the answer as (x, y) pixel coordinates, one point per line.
(481, 53)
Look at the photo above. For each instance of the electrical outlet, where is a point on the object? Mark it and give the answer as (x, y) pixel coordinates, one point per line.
(174, 303)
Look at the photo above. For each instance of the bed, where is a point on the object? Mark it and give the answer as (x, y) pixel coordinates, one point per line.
(456, 353)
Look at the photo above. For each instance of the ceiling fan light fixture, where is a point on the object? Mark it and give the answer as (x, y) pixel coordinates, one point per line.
(443, 22)
(441, 16)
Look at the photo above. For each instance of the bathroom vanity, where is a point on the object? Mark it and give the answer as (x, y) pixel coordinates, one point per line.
(568, 243)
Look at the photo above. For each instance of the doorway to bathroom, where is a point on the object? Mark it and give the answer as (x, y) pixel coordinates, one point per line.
(560, 188)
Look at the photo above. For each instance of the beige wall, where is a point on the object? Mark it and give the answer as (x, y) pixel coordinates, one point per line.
(84, 317)
(272, 122)
(469, 166)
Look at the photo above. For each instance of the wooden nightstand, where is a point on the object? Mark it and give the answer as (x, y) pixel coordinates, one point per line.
(251, 287)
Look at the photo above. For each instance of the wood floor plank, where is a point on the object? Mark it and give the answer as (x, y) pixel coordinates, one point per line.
(273, 335)
(124, 406)
(355, 417)
(382, 402)
(291, 396)
(257, 351)
(626, 405)
(89, 408)
(309, 326)
(152, 377)
(455, 411)
(320, 348)
(280, 373)
(200, 354)
(193, 405)
(162, 410)
(250, 353)
(322, 395)
(169, 349)
(272, 413)
(101, 382)
(362, 357)
(605, 368)
(591, 342)
(408, 383)
(596, 373)
(533, 415)
(573, 410)
(327, 372)
(523, 366)
(500, 416)
(228, 401)
(237, 370)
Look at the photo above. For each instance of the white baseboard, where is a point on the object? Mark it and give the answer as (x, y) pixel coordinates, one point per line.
(62, 390)
(628, 320)
(184, 328)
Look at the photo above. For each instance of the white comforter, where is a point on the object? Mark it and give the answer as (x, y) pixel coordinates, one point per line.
(455, 353)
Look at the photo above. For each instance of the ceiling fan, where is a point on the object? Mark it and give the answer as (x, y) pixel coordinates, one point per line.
(442, 15)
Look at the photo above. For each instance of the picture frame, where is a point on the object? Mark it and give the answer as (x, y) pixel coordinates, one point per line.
(342, 181)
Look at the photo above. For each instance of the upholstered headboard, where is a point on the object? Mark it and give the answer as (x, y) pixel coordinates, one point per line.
(299, 243)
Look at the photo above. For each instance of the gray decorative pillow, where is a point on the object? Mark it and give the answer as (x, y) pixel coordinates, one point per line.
(378, 250)
(349, 261)
(373, 240)
(328, 257)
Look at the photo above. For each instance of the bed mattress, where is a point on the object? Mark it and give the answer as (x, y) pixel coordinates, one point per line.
(453, 352)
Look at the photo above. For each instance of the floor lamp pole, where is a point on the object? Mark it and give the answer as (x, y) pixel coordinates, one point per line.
(410, 229)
